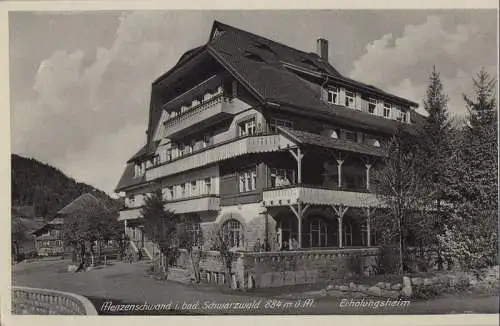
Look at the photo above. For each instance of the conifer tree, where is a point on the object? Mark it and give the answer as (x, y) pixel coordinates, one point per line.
(472, 239)
(434, 160)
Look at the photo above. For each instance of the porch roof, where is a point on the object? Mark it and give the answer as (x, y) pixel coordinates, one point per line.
(304, 137)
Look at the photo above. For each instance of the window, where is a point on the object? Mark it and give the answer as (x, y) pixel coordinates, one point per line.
(194, 233)
(351, 135)
(194, 188)
(349, 99)
(168, 155)
(246, 128)
(333, 96)
(401, 115)
(387, 110)
(208, 185)
(183, 189)
(279, 123)
(247, 180)
(180, 150)
(282, 177)
(347, 234)
(372, 105)
(168, 193)
(232, 233)
(318, 233)
(286, 230)
(206, 141)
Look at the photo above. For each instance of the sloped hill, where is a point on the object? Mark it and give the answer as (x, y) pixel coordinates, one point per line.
(47, 188)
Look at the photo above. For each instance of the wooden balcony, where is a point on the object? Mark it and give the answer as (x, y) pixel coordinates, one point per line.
(130, 213)
(219, 152)
(317, 195)
(214, 109)
(194, 204)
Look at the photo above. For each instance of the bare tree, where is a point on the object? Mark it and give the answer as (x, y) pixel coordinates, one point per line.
(399, 188)
(221, 242)
(190, 238)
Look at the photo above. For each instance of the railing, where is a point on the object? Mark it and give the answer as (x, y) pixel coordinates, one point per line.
(194, 204)
(197, 109)
(318, 195)
(31, 301)
(218, 152)
(130, 213)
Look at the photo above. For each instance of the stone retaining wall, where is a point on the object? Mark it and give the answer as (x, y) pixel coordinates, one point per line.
(271, 269)
(31, 301)
(416, 287)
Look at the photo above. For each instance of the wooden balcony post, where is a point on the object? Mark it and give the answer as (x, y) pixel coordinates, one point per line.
(340, 211)
(368, 227)
(339, 168)
(298, 157)
(299, 213)
(368, 167)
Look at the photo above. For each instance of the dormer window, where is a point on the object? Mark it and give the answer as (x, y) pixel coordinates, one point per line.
(372, 105)
(351, 135)
(349, 99)
(387, 110)
(246, 128)
(335, 134)
(333, 95)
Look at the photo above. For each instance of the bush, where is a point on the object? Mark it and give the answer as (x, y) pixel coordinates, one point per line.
(427, 292)
(388, 261)
(355, 265)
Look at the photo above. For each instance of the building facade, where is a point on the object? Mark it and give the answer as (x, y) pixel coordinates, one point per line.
(268, 141)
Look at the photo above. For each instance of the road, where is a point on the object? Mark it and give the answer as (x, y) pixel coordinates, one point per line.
(124, 283)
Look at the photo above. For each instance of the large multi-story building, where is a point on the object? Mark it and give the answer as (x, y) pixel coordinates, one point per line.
(268, 141)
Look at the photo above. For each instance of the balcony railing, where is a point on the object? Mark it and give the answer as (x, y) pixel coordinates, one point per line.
(200, 203)
(317, 195)
(194, 204)
(130, 213)
(217, 105)
(219, 152)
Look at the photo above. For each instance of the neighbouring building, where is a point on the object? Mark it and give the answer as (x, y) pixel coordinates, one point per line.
(24, 223)
(49, 237)
(271, 143)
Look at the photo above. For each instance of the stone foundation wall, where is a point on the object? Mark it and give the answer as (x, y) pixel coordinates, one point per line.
(268, 269)
(271, 269)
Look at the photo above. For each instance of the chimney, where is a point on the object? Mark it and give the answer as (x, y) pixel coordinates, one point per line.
(322, 48)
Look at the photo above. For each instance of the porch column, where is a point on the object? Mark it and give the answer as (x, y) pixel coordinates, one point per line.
(368, 167)
(299, 213)
(340, 210)
(298, 157)
(339, 169)
(125, 224)
(339, 220)
(368, 227)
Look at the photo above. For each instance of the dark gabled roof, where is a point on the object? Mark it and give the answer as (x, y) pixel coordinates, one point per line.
(307, 138)
(145, 151)
(272, 72)
(249, 41)
(75, 208)
(128, 180)
(79, 204)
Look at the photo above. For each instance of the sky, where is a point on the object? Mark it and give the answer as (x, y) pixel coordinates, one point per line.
(80, 82)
